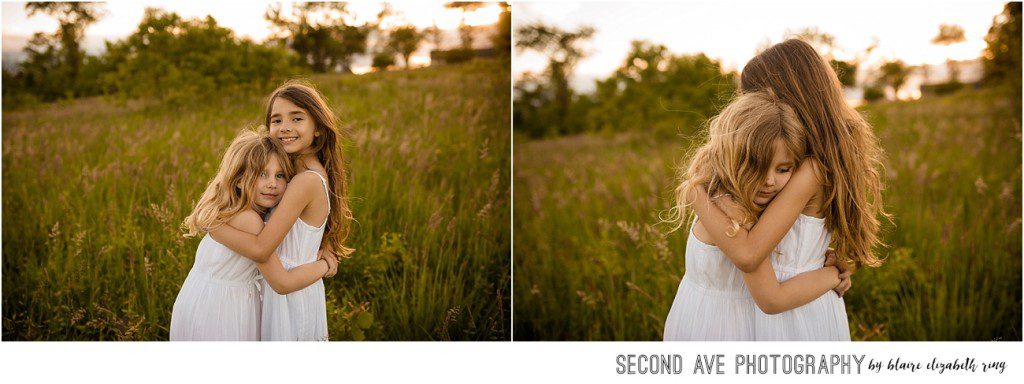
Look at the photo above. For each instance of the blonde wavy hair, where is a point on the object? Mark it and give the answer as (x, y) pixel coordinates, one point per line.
(837, 136)
(243, 161)
(738, 154)
(327, 148)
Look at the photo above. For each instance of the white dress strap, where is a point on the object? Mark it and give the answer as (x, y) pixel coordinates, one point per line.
(327, 191)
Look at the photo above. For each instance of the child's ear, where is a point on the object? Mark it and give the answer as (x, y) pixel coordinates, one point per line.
(316, 133)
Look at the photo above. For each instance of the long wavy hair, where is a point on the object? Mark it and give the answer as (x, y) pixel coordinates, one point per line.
(837, 135)
(243, 161)
(327, 148)
(738, 154)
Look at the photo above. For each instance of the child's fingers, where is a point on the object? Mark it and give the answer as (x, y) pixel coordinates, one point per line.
(843, 287)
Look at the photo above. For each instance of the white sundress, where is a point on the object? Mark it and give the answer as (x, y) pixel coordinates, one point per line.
(712, 302)
(300, 315)
(824, 319)
(219, 299)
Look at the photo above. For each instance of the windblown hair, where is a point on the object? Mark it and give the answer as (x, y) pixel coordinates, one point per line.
(243, 161)
(327, 148)
(738, 155)
(837, 136)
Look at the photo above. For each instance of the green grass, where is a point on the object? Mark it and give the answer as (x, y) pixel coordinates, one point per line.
(94, 192)
(591, 265)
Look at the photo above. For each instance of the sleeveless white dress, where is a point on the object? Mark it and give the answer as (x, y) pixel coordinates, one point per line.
(300, 315)
(824, 319)
(712, 302)
(220, 298)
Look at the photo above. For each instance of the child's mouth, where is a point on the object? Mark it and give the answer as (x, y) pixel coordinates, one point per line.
(764, 194)
(288, 140)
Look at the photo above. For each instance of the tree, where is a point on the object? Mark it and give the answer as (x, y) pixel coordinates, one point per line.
(72, 20)
(404, 41)
(434, 36)
(465, 30)
(563, 51)
(177, 59)
(846, 70)
(382, 60)
(53, 64)
(320, 33)
(950, 34)
(894, 74)
(1001, 59)
(652, 90)
(502, 39)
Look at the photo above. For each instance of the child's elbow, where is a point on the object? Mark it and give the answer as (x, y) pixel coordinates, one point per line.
(282, 289)
(747, 264)
(769, 307)
(261, 257)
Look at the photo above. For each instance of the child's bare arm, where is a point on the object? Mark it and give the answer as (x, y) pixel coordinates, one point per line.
(748, 249)
(773, 297)
(261, 245)
(280, 280)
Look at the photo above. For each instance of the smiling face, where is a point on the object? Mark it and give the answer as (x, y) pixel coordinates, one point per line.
(292, 125)
(271, 183)
(778, 175)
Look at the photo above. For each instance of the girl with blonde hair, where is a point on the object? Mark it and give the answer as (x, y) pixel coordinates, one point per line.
(313, 212)
(753, 147)
(839, 187)
(219, 299)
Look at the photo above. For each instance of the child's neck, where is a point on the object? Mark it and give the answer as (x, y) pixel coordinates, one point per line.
(305, 162)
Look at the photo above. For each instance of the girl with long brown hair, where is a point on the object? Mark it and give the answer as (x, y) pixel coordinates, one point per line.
(839, 185)
(219, 300)
(313, 211)
(753, 146)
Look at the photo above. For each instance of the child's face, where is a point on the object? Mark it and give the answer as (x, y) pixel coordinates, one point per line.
(778, 175)
(292, 125)
(271, 183)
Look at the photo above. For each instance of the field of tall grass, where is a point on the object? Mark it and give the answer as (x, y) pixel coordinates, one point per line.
(591, 264)
(94, 191)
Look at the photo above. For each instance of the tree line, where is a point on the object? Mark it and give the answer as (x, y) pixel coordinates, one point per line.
(665, 93)
(173, 58)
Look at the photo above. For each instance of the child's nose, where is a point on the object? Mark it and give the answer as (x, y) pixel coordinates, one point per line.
(771, 181)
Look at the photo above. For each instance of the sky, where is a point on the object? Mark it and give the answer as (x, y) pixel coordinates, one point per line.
(731, 31)
(244, 17)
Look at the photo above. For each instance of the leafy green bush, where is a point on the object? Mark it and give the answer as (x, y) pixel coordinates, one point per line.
(652, 91)
(174, 59)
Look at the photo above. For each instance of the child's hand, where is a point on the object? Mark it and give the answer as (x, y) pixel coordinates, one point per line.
(332, 262)
(845, 272)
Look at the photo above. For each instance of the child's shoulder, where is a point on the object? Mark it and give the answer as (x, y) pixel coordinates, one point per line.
(247, 220)
(813, 168)
(310, 176)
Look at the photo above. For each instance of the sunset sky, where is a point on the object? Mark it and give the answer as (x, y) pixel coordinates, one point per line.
(244, 17)
(732, 31)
